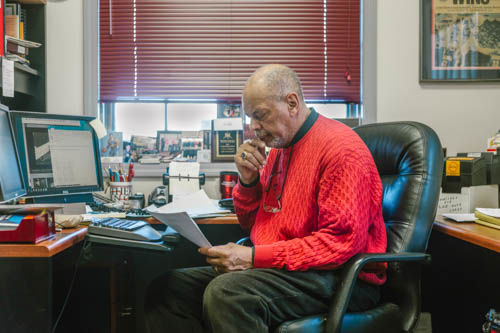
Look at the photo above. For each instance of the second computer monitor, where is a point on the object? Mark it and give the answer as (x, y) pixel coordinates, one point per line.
(59, 156)
(11, 181)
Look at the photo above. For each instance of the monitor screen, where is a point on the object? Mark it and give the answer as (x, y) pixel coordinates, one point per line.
(11, 182)
(59, 154)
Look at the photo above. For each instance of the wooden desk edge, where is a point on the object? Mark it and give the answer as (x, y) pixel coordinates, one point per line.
(229, 219)
(476, 234)
(63, 240)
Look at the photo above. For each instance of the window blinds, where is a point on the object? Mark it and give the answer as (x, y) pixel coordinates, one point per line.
(205, 49)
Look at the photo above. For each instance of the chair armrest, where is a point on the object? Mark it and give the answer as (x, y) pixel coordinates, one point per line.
(245, 241)
(348, 277)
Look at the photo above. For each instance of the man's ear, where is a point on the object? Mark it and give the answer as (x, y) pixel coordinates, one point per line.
(292, 101)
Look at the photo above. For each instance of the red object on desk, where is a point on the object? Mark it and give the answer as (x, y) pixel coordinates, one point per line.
(32, 229)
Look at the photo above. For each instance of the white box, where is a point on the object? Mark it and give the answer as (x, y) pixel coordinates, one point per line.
(484, 196)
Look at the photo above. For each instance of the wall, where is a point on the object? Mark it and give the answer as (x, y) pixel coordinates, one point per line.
(64, 28)
(463, 115)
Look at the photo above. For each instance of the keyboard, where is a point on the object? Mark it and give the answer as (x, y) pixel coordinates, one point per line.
(123, 228)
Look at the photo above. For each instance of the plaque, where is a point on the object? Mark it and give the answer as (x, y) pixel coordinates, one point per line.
(225, 144)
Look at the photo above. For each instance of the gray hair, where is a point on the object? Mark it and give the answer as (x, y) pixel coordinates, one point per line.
(280, 80)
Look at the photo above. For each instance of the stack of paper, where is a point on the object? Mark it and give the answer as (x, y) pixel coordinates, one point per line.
(488, 216)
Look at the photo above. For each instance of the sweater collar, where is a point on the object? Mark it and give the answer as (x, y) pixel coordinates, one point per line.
(306, 126)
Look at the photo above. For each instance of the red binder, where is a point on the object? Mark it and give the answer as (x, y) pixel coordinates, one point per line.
(32, 229)
(1, 28)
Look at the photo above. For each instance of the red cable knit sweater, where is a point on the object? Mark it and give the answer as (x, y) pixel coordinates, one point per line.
(330, 204)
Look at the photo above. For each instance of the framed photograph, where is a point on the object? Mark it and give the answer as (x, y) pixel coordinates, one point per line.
(111, 147)
(460, 40)
(228, 110)
(225, 144)
(169, 144)
(191, 143)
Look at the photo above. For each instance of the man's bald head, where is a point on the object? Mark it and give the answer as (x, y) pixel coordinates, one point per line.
(275, 81)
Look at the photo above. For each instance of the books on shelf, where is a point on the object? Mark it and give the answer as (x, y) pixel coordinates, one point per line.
(17, 50)
(25, 43)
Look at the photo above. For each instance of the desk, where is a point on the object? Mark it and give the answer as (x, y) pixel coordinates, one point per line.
(35, 278)
(27, 280)
(473, 233)
(461, 283)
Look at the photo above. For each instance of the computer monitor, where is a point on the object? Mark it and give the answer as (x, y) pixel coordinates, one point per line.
(59, 156)
(11, 181)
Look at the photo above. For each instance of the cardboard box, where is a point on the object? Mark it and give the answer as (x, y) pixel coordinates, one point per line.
(485, 196)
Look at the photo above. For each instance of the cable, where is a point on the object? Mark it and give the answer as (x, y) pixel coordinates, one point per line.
(70, 286)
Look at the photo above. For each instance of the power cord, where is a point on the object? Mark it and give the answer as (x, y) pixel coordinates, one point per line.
(70, 286)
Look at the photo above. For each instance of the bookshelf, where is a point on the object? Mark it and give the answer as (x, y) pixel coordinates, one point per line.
(30, 88)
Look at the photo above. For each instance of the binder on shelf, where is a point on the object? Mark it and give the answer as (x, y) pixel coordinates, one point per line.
(25, 43)
(17, 49)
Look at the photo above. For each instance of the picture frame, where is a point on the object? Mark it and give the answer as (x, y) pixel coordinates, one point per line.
(228, 110)
(169, 144)
(111, 147)
(225, 144)
(459, 40)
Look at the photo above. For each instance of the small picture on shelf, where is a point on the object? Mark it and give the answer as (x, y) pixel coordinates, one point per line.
(111, 147)
(228, 110)
(191, 143)
(168, 144)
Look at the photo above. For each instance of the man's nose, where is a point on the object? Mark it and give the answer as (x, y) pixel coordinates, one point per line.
(254, 124)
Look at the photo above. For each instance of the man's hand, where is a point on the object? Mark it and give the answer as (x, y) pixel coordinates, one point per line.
(229, 257)
(249, 159)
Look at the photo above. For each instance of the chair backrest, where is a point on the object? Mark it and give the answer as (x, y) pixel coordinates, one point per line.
(409, 159)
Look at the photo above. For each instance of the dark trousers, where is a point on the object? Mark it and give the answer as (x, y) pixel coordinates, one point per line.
(256, 300)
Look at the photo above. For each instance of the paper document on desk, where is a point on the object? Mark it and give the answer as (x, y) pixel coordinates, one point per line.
(460, 217)
(196, 205)
(184, 225)
(493, 212)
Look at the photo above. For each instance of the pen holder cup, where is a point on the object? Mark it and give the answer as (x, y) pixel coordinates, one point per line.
(120, 190)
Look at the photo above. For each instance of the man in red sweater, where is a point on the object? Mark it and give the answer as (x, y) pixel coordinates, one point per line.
(312, 204)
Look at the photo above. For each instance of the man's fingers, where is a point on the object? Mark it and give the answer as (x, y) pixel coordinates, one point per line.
(252, 159)
(251, 153)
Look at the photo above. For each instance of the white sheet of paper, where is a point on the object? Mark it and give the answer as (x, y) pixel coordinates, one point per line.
(228, 124)
(494, 212)
(7, 77)
(460, 217)
(194, 204)
(99, 128)
(184, 225)
(183, 185)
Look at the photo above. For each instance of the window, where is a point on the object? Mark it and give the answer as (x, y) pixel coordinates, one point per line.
(330, 110)
(190, 116)
(198, 49)
(139, 119)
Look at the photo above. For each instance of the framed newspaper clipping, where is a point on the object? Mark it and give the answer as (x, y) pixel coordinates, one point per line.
(460, 40)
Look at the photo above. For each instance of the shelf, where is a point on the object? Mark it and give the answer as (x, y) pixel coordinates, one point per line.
(32, 2)
(23, 81)
(30, 85)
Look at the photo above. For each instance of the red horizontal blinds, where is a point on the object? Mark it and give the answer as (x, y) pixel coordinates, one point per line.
(201, 49)
(343, 50)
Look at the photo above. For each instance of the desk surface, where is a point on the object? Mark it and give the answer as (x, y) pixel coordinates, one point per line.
(62, 240)
(69, 237)
(470, 232)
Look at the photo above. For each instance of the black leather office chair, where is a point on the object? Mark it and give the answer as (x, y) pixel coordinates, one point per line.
(409, 159)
